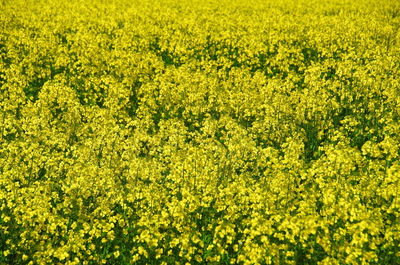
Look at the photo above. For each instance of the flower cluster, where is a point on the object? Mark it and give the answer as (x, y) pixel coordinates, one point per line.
(200, 132)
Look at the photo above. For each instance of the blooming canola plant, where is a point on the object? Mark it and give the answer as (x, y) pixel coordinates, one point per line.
(199, 132)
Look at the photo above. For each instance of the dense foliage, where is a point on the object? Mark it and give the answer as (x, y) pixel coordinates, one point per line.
(199, 132)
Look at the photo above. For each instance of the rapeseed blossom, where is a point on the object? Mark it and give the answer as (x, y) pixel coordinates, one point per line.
(199, 132)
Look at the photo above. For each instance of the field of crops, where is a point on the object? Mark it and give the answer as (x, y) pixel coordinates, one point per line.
(199, 132)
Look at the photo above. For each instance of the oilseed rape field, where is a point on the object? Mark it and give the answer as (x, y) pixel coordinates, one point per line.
(200, 132)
